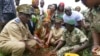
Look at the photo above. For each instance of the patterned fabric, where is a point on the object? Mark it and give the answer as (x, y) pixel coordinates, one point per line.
(7, 11)
(73, 40)
(25, 8)
(8, 6)
(41, 32)
(95, 21)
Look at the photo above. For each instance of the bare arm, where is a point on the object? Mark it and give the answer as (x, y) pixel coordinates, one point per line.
(50, 36)
(95, 38)
(58, 46)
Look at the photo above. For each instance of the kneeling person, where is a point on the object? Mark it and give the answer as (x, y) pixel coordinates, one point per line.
(56, 32)
(15, 36)
(75, 39)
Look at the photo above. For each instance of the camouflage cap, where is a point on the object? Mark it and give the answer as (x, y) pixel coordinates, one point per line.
(57, 20)
(25, 8)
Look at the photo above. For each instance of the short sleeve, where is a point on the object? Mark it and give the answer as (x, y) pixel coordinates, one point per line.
(79, 17)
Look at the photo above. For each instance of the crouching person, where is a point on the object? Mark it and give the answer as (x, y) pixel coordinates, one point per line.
(56, 32)
(74, 38)
(15, 36)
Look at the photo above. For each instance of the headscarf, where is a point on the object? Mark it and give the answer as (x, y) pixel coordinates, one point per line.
(62, 4)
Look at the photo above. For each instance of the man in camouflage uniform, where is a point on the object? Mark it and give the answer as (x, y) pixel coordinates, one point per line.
(74, 38)
(94, 5)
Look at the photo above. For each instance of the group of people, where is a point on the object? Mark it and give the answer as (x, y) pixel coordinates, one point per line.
(29, 28)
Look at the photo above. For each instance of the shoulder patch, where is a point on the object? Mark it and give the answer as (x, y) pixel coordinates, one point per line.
(17, 20)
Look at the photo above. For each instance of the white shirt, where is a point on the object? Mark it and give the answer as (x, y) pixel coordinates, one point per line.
(41, 10)
(75, 15)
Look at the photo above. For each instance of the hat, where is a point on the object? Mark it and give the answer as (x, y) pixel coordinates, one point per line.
(62, 4)
(57, 20)
(71, 54)
(25, 8)
(70, 21)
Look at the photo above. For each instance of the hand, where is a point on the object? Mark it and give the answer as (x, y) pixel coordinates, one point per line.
(41, 45)
(41, 41)
(95, 48)
(52, 52)
(47, 43)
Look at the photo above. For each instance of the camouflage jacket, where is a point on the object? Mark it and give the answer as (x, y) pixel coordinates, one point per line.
(76, 37)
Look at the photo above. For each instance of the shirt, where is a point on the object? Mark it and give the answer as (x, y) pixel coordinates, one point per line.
(75, 15)
(15, 30)
(57, 33)
(74, 38)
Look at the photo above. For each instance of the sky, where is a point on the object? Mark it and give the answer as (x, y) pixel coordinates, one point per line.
(71, 3)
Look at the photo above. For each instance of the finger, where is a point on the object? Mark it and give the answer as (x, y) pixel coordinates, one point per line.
(94, 49)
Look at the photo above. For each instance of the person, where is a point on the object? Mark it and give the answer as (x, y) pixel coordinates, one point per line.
(78, 8)
(60, 9)
(75, 40)
(17, 2)
(7, 12)
(95, 12)
(55, 33)
(42, 9)
(69, 14)
(15, 37)
(85, 27)
(51, 12)
(42, 32)
(35, 16)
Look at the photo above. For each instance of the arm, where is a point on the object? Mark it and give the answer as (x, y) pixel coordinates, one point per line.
(14, 32)
(95, 37)
(82, 47)
(29, 48)
(82, 24)
(95, 41)
(50, 36)
(58, 46)
(37, 38)
(83, 41)
(38, 41)
(80, 20)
